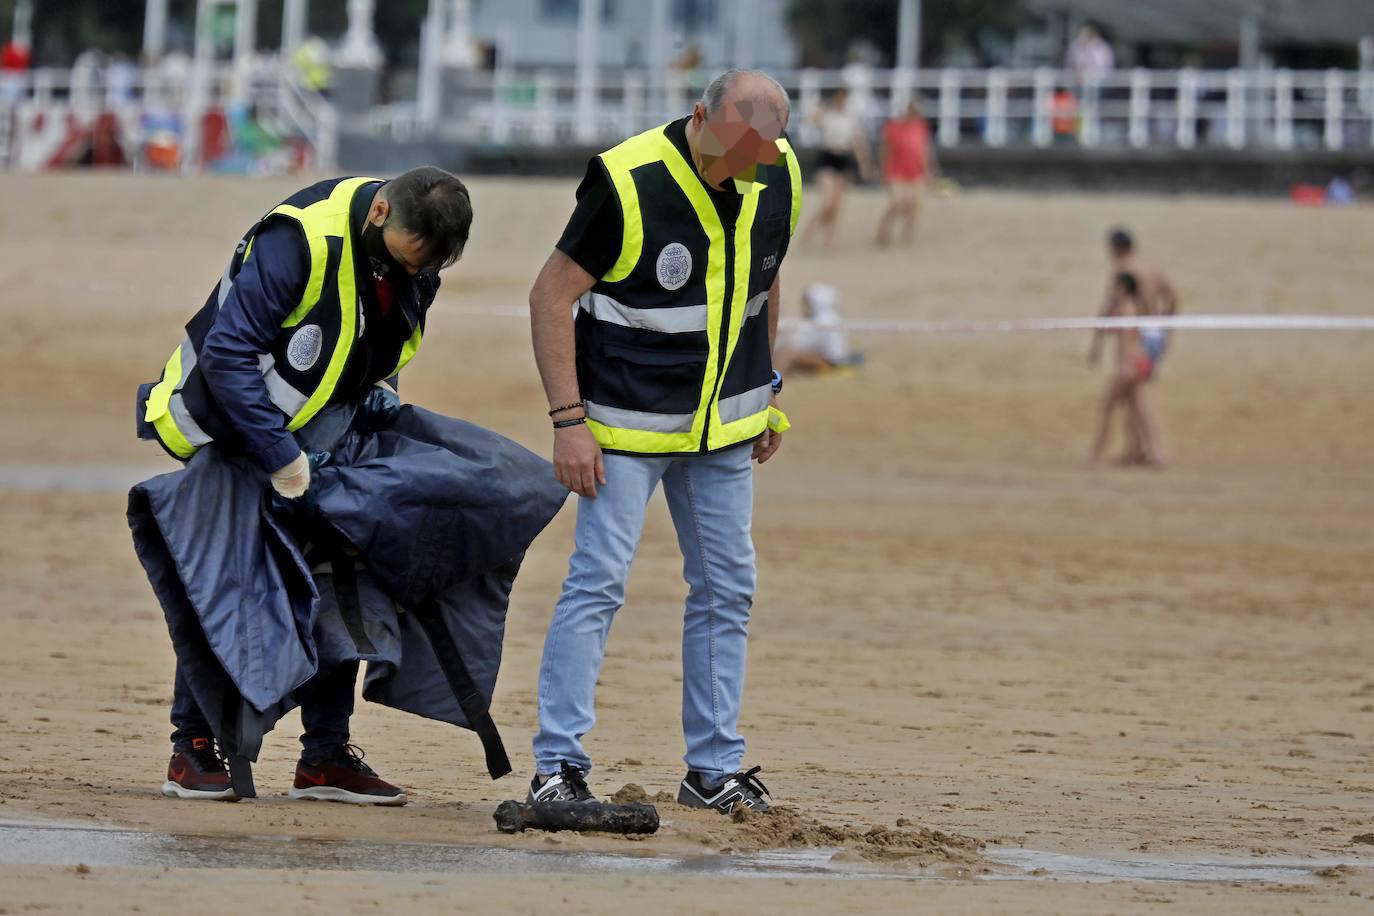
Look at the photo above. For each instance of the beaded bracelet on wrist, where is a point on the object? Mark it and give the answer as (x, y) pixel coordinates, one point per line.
(574, 406)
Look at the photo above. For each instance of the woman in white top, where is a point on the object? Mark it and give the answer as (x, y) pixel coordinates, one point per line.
(843, 152)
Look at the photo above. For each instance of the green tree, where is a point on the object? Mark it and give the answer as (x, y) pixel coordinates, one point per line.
(827, 29)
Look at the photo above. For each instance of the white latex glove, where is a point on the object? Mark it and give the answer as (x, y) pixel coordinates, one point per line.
(293, 480)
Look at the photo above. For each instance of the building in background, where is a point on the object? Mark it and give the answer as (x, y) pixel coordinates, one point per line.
(1248, 34)
(706, 34)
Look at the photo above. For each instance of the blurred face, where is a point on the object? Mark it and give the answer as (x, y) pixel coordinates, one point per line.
(736, 140)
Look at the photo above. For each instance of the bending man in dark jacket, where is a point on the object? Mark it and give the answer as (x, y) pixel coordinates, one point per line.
(323, 303)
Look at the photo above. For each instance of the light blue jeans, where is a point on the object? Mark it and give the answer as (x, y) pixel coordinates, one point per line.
(711, 499)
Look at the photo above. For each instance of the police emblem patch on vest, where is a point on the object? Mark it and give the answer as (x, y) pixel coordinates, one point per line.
(305, 346)
(674, 266)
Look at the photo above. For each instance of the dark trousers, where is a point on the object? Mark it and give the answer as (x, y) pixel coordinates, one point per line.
(326, 705)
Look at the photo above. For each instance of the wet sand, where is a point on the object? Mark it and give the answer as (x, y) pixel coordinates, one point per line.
(956, 626)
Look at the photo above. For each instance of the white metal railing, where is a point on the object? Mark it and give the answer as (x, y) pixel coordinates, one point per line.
(277, 99)
(1139, 108)
(1131, 109)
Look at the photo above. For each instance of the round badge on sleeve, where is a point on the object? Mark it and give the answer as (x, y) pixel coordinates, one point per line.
(674, 265)
(304, 349)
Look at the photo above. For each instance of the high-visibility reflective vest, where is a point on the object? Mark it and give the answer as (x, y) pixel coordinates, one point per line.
(672, 342)
(307, 359)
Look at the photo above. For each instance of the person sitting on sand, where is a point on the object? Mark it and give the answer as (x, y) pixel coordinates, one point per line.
(818, 343)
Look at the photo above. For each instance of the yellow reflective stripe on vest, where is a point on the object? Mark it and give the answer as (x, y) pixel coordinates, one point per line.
(619, 162)
(794, 170)
(319, 221)
(408, 351)
(690, 183)
(319, 261)
(157, 410)
(340, 198)
(621, 439)
(731, 426)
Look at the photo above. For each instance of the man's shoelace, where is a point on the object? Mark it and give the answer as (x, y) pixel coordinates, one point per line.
(207, 760)
(351, 756)
(573, 778)
(748, 780)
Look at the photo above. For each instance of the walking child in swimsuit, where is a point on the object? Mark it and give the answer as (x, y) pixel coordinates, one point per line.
(1126, 388)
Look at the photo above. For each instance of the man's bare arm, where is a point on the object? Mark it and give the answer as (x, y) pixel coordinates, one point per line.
(576, 456)
(1167, 294)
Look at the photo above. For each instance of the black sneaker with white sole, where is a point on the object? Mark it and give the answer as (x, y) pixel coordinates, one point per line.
(569, 784)
(737, 790)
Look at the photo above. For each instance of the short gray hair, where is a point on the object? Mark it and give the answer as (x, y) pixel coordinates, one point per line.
(714, 96)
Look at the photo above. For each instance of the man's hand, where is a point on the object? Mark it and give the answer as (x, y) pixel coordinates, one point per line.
(577, 460)
(379, 408)
(292, 481)
(768, 443)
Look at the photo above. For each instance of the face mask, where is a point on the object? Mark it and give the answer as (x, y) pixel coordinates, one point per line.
(375, 247)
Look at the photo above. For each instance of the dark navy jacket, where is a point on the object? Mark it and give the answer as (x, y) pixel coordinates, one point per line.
(266, 289)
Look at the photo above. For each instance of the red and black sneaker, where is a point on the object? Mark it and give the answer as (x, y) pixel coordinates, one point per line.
(198, 773)
(344, 778)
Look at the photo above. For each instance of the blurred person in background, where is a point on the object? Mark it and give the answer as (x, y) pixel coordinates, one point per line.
(1090, 57)
(844, 155)
(908, 165)
(121, 79)
(671, 262)
(1153, 294)
(313, 70)
(1126, 387)
(1064, 116)
(15, 58)
(817, 343)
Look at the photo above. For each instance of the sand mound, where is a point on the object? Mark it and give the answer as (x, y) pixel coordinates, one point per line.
(786, 828)
(634, 794)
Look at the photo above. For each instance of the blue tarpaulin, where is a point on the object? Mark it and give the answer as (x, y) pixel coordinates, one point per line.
(402, 555)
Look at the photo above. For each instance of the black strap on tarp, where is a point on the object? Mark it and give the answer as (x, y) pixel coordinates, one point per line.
(240, 732)
(465, 691)
(345, 569)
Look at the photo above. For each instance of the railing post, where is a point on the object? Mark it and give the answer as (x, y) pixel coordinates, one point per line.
(1334, 109)
(326, 139)
(1367, 99)
(949, 108)
(995, 109)
(500, 105)
(1235, 108)
(1186, 100)
(809, 96)
(810, 90)
(42, 87)
(675, 93)
(1283, 109)
(903, 81)
(543, 131)
(1090, 135)
(632, 105)
(1041, 135)
(1138, 129)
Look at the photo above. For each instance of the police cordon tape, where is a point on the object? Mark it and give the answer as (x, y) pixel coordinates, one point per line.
(1162, 322)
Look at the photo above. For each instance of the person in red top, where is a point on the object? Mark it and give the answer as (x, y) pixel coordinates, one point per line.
(907, 164)
(15, 58)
